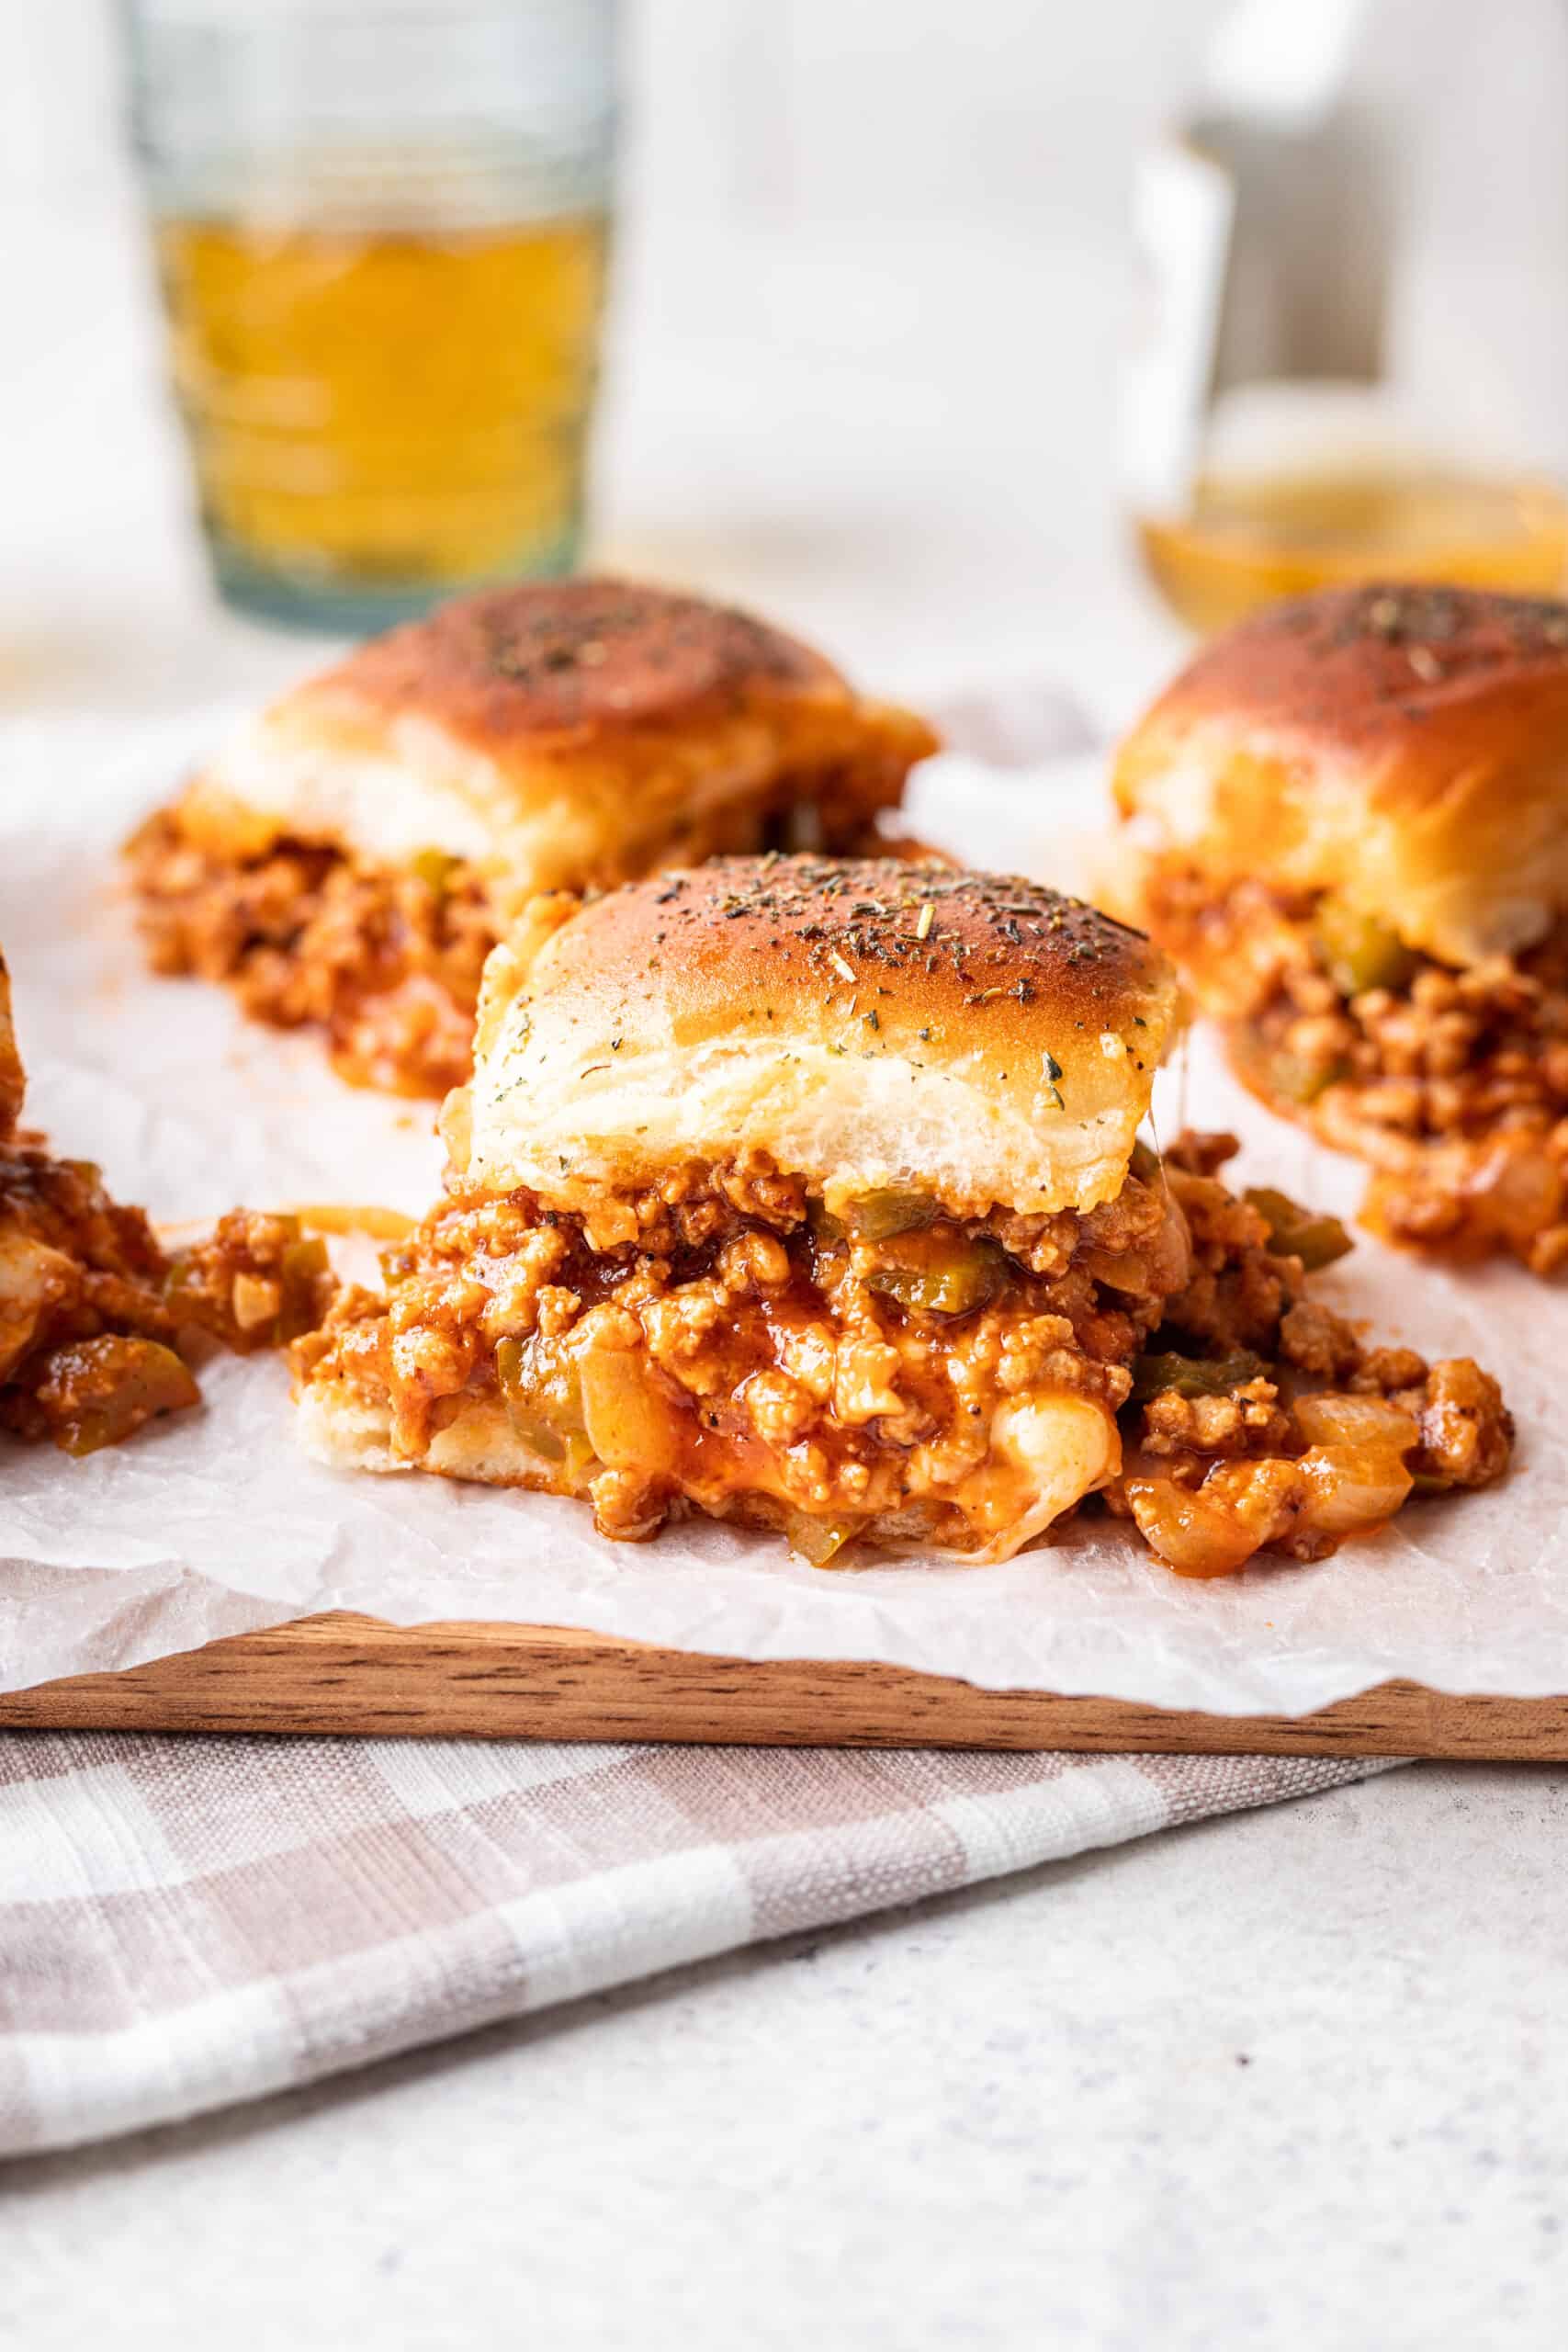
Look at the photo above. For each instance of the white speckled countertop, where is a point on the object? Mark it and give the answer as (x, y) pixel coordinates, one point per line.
(1297, 2077)
(1293, 2078)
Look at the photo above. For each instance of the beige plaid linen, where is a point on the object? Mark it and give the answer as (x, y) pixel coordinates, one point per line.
(185, 1923)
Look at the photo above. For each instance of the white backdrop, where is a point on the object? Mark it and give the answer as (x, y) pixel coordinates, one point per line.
(873, 293)
(775, 108)
(871, 290)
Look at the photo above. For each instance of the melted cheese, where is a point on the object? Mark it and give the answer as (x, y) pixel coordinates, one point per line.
(1047, 1453)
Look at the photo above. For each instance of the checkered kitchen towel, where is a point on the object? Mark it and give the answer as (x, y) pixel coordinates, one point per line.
(185, 1923)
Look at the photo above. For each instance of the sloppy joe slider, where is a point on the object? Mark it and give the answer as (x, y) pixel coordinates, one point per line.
(1352, 819)
(806, 1192)
(350, 857)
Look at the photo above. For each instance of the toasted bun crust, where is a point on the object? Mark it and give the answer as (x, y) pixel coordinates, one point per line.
(11, 1081)
(571, 733)
(865, 1024)
(1404, 747)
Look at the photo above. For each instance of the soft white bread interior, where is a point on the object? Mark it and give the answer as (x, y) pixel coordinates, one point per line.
(866, 1024)
(1405, 748)
(570, 733)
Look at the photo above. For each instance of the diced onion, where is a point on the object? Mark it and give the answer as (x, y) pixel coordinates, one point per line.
(1352, 1492)
(819, 1540)
(1213, 1530)
(1369, 1421)
(1356, 1471)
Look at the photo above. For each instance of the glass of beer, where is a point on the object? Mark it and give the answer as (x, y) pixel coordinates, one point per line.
(381, 230)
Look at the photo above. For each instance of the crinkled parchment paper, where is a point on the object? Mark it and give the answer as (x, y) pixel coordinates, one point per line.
(214, 1523)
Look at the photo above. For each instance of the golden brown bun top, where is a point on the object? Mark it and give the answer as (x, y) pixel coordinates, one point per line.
(11, 1081)
(1405, 746)
(863, 1022)
(550, 657)
(999, 966)
(567, 734)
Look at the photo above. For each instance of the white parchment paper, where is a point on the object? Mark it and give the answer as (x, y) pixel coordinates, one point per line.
(215, 1523)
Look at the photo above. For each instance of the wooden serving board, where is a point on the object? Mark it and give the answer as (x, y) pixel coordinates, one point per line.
(354, 1675)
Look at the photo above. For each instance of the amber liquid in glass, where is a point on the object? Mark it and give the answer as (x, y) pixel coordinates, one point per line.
(378, 410)
(1249, 539)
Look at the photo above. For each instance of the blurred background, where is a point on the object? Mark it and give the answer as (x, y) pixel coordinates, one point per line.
(876, 326)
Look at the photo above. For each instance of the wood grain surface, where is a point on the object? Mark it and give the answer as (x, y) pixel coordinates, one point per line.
(354, 1675)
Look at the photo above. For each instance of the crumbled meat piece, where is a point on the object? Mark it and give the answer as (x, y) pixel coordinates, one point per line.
(1200, 1153)
(1316, 1341)
(627, 1506)
(1246, 1419)
(1466, 1430)
(1380, 1371)
(1237, 1291)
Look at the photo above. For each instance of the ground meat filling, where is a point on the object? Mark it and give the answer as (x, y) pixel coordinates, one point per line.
(94, 1312)
(1260, 1418)
(1453, 1084)
(723, 1337)
(722, 1341)
(386, 961)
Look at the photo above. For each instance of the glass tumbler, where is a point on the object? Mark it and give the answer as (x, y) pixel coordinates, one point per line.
(381, 230)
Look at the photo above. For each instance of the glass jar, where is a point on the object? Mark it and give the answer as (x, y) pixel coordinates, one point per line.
(1356, 249)
(381, 230)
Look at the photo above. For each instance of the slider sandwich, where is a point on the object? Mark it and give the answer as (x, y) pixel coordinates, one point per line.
(94, 1312)
(350, 858)
(1351, 818)
(806, 1192)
